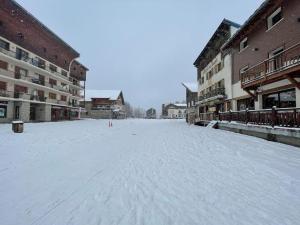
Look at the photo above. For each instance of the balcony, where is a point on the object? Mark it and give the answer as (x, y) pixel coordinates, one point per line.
(39, 63)
(6, 94)
(215, 93)
(76, 82)
(19, 95)
(38, 98)
(276, 68)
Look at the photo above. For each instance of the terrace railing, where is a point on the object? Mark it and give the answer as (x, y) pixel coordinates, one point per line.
(285, 117)
(284, 60)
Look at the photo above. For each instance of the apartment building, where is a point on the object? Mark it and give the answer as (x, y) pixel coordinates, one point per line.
(191, 99)
(214, 69)
(266, 58)
(104, 104)
(40, 78)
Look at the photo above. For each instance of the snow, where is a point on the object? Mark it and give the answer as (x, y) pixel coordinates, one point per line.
(193, 87)
(156, 172)
(180, 105)
(109, 94)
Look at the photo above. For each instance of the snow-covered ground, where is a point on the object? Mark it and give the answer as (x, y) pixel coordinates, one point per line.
(145, 172)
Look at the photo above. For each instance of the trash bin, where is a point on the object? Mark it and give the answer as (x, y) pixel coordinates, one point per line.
(18, 126)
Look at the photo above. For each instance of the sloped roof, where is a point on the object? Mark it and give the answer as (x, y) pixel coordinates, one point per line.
(192, 87)
(180, 104)
(108, 94)
(218, 33)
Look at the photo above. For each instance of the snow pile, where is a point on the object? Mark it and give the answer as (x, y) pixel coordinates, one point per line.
(144, 172)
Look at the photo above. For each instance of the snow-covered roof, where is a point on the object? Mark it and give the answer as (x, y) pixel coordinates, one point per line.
(180, 104)
(109, 94)
(192, 87)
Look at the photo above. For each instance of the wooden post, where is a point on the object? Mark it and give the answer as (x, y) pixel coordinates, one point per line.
(274, 116)
(295, 118)
(247, 116)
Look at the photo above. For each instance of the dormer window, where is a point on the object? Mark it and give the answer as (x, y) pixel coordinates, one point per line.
(244, 44)
(274, 18)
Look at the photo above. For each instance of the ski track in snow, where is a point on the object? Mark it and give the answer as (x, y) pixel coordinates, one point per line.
(158, 172)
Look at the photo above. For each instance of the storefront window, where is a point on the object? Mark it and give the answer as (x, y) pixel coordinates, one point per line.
(283, 99)
(3, 110)
(244, 104)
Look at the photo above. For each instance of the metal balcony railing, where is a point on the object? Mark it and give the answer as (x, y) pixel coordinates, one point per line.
(213, 93)
(32, 61)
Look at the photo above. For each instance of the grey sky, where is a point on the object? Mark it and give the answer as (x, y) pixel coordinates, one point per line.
(144, 47)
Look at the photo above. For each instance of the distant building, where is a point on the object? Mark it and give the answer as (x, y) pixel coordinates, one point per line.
(191, 99)
(104, 104)
(174, 111)
(151, 113)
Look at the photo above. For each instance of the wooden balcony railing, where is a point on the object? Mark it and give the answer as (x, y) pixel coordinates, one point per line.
(289, 117)
(276, 65)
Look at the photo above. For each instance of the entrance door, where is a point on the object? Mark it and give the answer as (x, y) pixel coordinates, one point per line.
(32, 116)
(17, 112)
(276, 61)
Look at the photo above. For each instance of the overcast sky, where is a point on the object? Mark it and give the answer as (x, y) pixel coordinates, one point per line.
(144, 47)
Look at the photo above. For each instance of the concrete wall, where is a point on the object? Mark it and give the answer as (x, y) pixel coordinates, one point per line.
(282, 135)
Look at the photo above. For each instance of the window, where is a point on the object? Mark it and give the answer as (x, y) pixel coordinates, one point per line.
(4, 45)
(275, 61)
(52, 96)
(21, 89)
(283, 99)
(3, 65)
(21, 54)
(3, 111)
(20, 72)
(274, 18)
(53, 68)
(63, 98)
(52, 82)
(247, 103)
(244, 44)
(2, 85)
(64, 73)
(20, 36)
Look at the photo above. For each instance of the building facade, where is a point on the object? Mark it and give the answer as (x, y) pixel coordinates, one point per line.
(174, 111)
(104, 104)
(151, 113)
(214, 73)
(266, 58)
(191, 99)
(40, 79)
